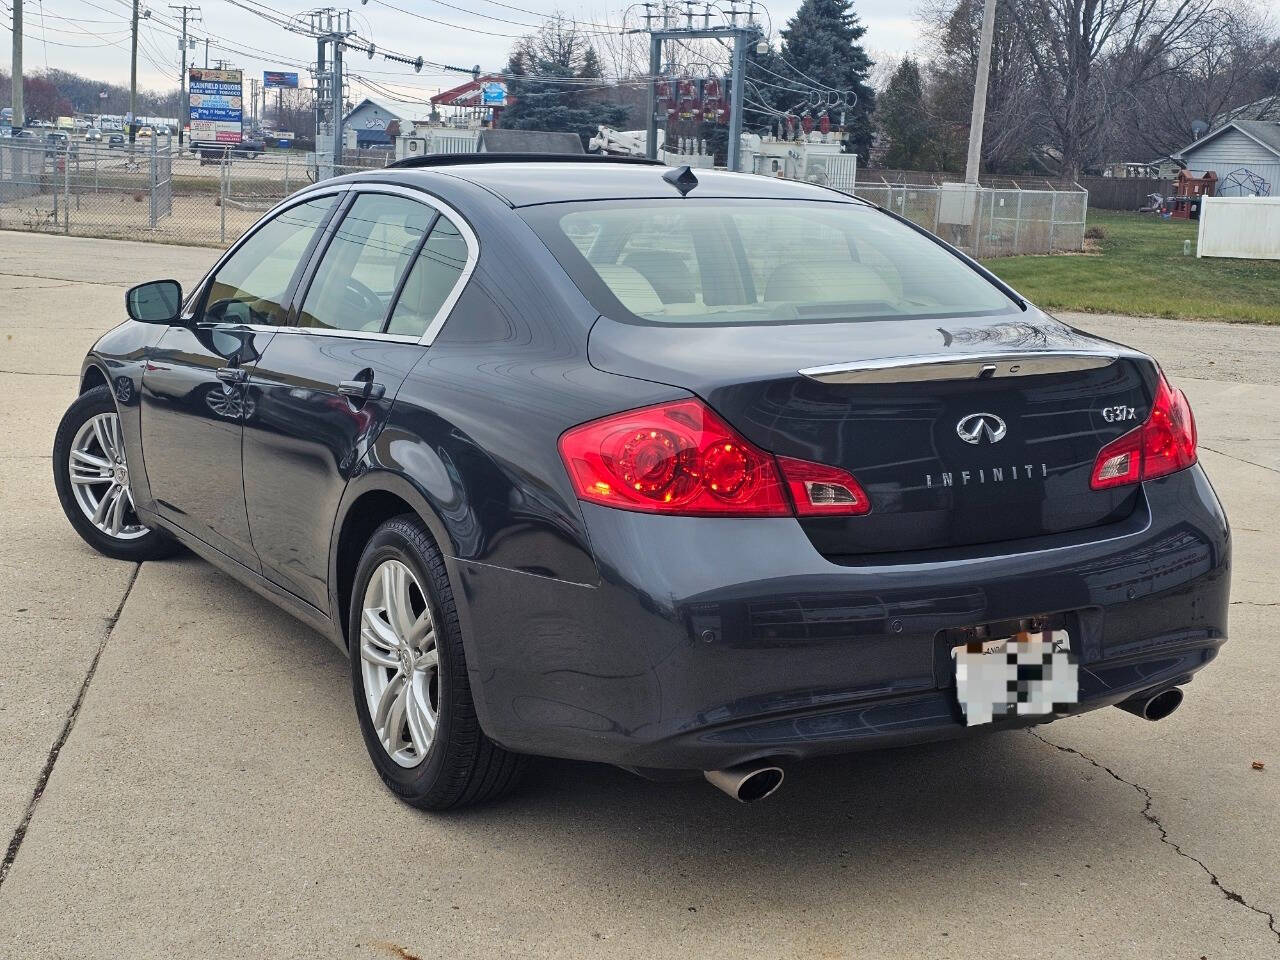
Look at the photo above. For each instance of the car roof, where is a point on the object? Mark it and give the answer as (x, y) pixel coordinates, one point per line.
(525, 183)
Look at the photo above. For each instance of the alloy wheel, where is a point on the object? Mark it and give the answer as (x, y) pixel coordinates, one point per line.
(400, 665)
(100, 478)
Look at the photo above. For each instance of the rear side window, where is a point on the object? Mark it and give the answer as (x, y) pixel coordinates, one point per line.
(369, 253)
(733, 261)
(251, 285)
(434, 275)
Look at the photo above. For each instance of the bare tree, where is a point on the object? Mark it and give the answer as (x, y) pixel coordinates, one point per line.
(1085, 53)
(1231, 67)
(1013, 132)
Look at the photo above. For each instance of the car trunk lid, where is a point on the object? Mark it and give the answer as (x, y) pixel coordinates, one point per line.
(964, 432)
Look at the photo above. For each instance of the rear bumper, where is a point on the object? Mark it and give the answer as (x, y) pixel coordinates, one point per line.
(714, 642)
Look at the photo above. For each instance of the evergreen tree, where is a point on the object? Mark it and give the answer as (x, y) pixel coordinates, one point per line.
(902, 116)
(820, 47)
(546, 72)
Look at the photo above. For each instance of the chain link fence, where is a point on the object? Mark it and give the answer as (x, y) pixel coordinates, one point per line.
(156, 191)
(987, 221)
(150, 191)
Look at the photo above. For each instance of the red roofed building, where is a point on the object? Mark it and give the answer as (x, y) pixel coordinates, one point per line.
(485, 93)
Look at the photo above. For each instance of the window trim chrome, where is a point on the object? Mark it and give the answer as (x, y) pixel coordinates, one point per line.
(411, 193)
(446, 308)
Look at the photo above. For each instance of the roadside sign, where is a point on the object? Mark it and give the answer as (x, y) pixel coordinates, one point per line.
(494, 94)
(217, 103)
(279, 80)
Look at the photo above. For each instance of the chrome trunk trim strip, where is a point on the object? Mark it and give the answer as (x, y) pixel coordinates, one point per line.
(966, 366)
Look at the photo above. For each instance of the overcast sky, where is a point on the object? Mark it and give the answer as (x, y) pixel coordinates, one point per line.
(91, 37)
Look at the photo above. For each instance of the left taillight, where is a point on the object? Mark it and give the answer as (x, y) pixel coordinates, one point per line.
(681, 458)
(1165, 443)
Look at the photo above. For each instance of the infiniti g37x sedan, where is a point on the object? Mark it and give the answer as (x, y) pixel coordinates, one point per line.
(687, 472)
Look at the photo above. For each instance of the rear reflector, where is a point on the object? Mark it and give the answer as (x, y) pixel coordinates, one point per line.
(680, 458)
(1164, 444)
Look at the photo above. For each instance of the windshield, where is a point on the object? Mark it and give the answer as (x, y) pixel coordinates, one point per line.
(731, 261)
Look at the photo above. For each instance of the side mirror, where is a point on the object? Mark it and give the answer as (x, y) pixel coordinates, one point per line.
(159, 301)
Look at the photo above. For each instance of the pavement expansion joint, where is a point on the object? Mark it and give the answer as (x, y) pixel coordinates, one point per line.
(1164, 834)
(15, 843)
(1260, 466)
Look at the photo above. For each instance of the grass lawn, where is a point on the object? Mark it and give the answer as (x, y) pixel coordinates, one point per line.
(1141, 270)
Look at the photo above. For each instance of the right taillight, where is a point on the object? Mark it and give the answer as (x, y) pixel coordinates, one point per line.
(1164, 444)
(681, 458)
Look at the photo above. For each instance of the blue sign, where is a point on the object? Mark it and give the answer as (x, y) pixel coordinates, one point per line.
(494, 94)
(279, 80)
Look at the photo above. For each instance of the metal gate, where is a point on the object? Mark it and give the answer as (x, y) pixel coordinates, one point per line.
(161, 177)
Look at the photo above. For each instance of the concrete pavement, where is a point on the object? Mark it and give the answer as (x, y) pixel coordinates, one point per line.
(212, 797)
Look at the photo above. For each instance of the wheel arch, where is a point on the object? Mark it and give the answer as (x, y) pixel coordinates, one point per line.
(369, 500)
(367, 503)
(93, 375)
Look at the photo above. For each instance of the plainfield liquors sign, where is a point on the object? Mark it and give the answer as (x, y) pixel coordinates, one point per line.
(217, 104)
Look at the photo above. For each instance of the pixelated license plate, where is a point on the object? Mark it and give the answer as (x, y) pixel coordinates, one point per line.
(1027, 674)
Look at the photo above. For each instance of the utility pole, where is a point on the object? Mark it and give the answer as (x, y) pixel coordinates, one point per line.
(19, 119)
(185, 107)
(665, 26)
(206, 53)
(322, 94)
(133, 82)
(736, 75)
(337, 102)
(978, 117)
(329, 26)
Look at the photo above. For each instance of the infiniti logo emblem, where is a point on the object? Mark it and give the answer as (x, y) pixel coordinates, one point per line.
(979, 426)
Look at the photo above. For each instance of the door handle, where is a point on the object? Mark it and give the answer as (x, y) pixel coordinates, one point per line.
(361, 390)
(233, 374)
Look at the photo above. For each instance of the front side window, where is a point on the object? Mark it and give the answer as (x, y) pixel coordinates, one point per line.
(361, 269)
(251, 285)
(732, 261)
(432, 279)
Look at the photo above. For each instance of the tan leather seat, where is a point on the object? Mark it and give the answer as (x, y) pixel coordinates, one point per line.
(630, 287)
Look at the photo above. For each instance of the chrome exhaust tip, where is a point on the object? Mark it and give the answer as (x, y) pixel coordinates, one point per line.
(746, 782)
(1154, 706)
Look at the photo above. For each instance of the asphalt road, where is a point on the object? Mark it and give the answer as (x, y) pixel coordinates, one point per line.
(183, 776)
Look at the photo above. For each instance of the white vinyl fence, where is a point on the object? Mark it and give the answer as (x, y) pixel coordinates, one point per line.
(1243, 227)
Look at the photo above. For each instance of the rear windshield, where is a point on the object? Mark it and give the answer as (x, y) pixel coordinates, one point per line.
(732, 261)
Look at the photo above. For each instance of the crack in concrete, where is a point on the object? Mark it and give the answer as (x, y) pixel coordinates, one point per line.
(1229, 456)
(1255, 603)
(68, 281)
(15, 843)
(1164, 834)
(36, 373)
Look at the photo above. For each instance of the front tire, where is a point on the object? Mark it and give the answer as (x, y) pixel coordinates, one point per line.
(92, 479)
(409, 677)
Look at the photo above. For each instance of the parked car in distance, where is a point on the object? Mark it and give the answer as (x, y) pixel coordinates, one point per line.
(115, 140)
(691, 472)
(249, 147)
(93, 135)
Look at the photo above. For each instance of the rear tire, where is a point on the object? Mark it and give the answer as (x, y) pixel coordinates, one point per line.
(409, 677)
(92, 480)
